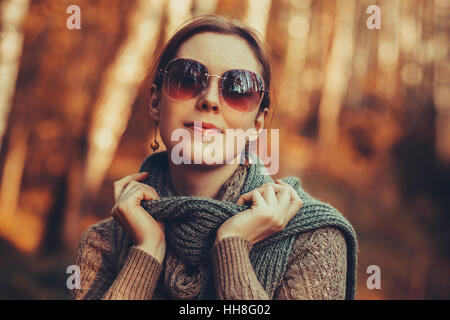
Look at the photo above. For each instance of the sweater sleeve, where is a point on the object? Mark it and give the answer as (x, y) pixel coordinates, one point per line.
(316, 268)
(98, 268)
(234, 276)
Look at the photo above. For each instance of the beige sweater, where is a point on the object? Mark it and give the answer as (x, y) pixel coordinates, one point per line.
(112, 268)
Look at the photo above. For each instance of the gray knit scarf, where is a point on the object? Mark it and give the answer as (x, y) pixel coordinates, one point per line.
(191, 224)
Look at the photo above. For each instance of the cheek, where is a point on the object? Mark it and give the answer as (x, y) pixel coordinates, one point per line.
(170, 119)
(239, 120)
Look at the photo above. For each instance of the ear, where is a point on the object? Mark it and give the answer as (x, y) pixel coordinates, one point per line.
(153, 103)
(260, 119)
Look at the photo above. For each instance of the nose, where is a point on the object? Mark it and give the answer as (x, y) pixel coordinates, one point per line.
(209, 99)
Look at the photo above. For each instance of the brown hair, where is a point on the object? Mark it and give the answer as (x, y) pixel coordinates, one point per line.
(217, 24)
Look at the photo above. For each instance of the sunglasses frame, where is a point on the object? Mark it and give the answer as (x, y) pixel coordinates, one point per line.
(208, 75)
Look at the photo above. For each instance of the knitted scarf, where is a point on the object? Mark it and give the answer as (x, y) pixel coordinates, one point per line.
(191, 224)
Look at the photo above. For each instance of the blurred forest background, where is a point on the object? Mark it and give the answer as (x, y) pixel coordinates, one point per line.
(364, 119)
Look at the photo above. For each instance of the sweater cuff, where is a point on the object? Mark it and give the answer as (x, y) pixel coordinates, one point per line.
(232, 267)
(238, 243)
(137, 278)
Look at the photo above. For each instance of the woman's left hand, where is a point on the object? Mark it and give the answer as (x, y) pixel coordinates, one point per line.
(273, 206)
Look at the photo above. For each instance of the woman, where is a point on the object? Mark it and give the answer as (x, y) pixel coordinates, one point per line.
(214, 229)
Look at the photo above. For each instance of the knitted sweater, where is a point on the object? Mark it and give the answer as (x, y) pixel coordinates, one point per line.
(111, 267)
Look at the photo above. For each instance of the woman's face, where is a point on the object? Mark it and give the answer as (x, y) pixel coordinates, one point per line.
(219, 53)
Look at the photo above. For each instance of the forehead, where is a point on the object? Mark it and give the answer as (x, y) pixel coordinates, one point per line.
(220, 52)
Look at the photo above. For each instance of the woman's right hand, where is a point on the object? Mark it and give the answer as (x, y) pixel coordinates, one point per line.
(146, 233)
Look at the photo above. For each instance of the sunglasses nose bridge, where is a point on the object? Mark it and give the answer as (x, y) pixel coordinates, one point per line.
(208, 82)
(211, 94)
(208, 78)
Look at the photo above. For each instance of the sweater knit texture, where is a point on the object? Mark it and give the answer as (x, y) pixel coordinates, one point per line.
(112, 268)
(191, 224)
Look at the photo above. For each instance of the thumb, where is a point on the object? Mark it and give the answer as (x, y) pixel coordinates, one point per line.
(149, 194)
(141, 175)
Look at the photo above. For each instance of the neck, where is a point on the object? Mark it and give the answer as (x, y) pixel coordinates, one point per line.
(200, 180)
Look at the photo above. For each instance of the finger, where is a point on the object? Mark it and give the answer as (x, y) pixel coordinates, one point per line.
(240, 201)
(116, 215)
(147, 187)
(120, 185)
(129, 189)
(284, 197)
(269, 195)
(152, 190)
(136, 191)
(296, 205)
(117, 191)
(257, 198)
(251, 197)
(295, 202)
(148, 194)
(275, 186)
(141, 175)
(292, 211)
(113, 211)
(132, 177)
(294, 195)
(281, 182)
(246, 197)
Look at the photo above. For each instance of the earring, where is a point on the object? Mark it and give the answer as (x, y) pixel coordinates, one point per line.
(155, 145)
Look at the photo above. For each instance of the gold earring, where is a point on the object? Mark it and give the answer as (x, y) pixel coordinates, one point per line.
(155, 145)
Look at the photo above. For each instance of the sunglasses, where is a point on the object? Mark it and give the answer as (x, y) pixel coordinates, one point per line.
(242, 90)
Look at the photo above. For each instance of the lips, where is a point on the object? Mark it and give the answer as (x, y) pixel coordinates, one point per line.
(205, 126)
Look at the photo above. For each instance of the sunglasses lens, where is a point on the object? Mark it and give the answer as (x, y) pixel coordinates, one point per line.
(185, 79)
(242, 89)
